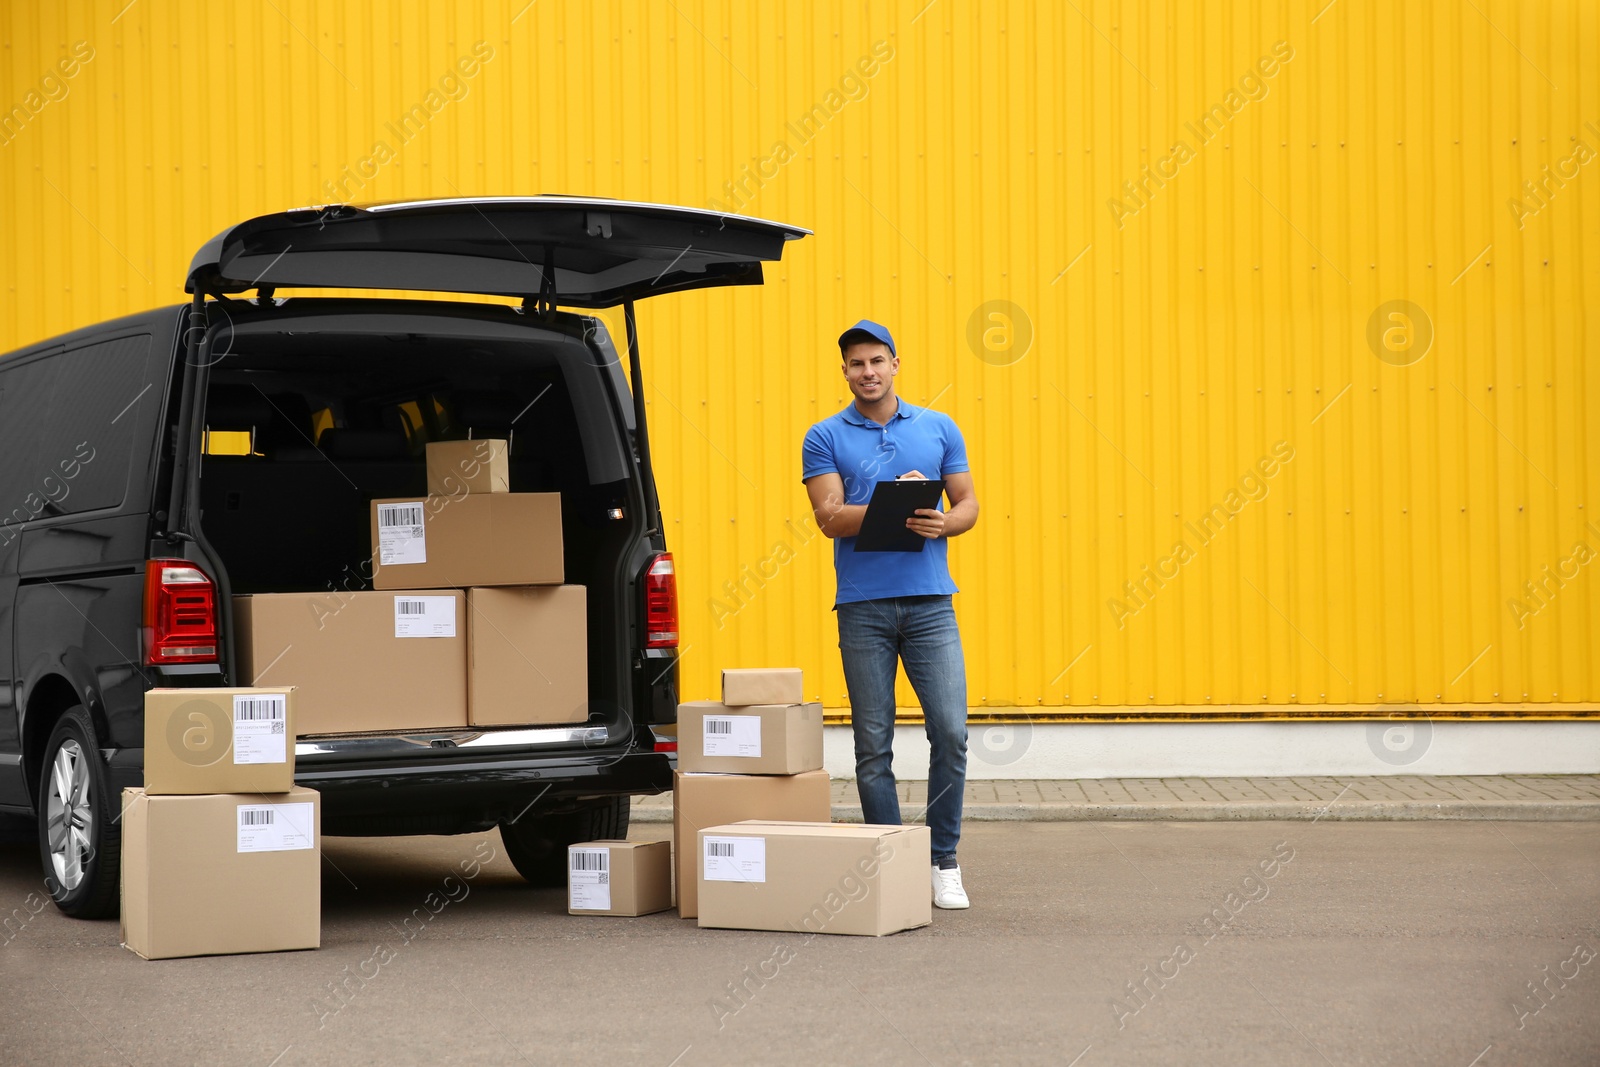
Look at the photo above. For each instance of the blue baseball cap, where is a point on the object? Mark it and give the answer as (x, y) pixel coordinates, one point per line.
(867, 330)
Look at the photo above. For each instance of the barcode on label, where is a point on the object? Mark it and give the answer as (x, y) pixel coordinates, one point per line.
(591, 859)
(410, 607)
(400, 515)
(256, 816)
(719, 848)
(719, 726)
(256, 709)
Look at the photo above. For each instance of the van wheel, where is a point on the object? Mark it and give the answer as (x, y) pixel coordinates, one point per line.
(79, 840)
(537, 846)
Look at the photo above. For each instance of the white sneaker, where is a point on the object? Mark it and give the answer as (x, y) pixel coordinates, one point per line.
(947, 890)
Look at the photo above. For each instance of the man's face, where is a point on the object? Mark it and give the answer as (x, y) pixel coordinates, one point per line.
(870, 368)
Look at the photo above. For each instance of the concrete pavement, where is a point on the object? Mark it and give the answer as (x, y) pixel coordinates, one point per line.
(1388, 797)
(1461, 944)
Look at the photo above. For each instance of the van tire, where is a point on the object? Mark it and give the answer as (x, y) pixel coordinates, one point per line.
(537, 845)
(80, 841)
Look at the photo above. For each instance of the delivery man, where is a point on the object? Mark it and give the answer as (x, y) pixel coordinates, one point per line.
(895, 606)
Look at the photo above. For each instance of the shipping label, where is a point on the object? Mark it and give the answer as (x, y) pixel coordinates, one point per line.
(589, 879)
(736, 859)
(402, 537)
(424, 616)
(260, 728)
(277, 827)
(732, 735)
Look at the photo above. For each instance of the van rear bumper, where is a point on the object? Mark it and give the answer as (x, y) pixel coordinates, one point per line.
(468, 793)
(409, 785)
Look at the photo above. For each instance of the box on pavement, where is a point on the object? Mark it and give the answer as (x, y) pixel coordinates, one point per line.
(452, 542)
(457, 467)
(751, 739)
(219, 741)
(222, 873)
(818, 878)
(766, 685)
(701, 800)
(359, 661)
(619, 877)
(527, 655)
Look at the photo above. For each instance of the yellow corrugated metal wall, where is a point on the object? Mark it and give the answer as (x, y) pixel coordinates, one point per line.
(1143, 253)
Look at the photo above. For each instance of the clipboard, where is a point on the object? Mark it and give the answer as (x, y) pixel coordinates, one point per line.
(883, 527)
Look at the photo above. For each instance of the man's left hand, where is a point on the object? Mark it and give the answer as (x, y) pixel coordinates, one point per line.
(929, 522)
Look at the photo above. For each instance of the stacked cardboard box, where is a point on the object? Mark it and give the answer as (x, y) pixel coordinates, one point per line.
(221, 852)
(739, 759)
(760, 869)
(468, 622)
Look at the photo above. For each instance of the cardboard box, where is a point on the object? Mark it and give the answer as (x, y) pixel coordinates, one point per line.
(219, 741)
(457, 467)
(444, 542)
(766, 685)
(352, 669)
(221, 874)
(701, 800)
(619, 877)
(816, 878)
(527, 655)
(758, 739)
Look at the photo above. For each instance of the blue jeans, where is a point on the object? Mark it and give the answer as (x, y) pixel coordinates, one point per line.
(919, 631)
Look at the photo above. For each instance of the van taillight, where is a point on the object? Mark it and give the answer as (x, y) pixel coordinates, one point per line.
(180, 613)
(661, 603)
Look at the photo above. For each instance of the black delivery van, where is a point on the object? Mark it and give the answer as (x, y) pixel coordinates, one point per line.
(125, 533)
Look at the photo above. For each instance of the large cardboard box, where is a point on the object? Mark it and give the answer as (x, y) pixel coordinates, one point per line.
(619, 877)
(527, 655)
(457, 467)
(219, 741)
(766, 685)
(701, 800)
(360, 662)
(452, 542)
(758, 739)
(220, 874)
(816, 878)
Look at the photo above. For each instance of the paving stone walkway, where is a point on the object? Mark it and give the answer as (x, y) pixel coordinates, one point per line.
(1565, 797)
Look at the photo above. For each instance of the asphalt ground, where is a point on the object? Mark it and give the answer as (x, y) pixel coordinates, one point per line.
(1402, 943)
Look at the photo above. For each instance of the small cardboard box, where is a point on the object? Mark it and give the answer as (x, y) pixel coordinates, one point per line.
(527, 655)
(619, 877)
(816, 878)
(754, 739)
(360, 662)
(222, 873)
(701, 800)
(219, 741)
(766, 685)
(458, 467)
(445, 542)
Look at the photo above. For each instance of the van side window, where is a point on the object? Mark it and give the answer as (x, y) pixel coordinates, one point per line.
(98, 395)
(24, 411)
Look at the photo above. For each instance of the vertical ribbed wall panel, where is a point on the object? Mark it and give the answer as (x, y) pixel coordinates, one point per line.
(1195, 249)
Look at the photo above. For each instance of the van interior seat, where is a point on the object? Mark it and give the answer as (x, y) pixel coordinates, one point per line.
(484, 413)
(297, 518)
(237, 407)
(342, 443)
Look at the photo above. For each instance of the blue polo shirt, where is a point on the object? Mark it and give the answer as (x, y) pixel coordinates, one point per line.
(863, 453)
